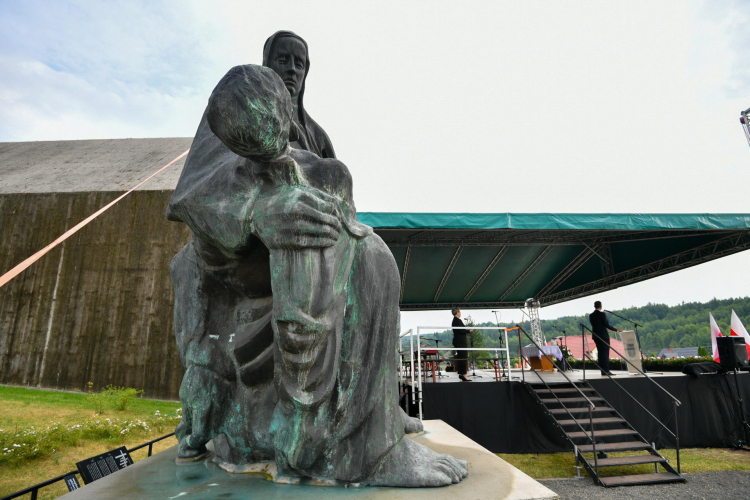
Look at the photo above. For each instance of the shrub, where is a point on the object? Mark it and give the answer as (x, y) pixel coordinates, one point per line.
(122, 397)
(112, 396)
(98, 401)
(652, 364)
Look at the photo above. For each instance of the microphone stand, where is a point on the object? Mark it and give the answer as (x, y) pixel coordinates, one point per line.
(500, 339)
(636, 325)
(565, 363)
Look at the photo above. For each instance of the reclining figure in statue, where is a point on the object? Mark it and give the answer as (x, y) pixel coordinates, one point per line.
(286, 308)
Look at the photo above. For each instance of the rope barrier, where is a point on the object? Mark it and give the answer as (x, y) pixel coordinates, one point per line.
(5, 278)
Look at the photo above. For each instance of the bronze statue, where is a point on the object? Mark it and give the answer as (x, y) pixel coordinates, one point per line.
(286, 308)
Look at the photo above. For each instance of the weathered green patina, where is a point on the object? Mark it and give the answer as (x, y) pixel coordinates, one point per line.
(286, 307)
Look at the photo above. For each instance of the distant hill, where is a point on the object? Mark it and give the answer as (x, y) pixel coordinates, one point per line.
(685, 325)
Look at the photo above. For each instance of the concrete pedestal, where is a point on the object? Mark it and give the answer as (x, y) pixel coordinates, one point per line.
(160, 477)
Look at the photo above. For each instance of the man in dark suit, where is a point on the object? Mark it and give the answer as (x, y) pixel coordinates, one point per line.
(460, 340)
(600, 326)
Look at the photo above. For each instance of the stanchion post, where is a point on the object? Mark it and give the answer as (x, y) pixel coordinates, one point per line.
(520, 355)
(593, 442)
(677, 436)
(411, 366)
(507, 352)
(583, 352)
(419, 378)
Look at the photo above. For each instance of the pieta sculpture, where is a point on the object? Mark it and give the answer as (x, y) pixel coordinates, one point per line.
(286, 307)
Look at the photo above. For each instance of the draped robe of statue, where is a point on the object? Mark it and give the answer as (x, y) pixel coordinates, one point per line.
(290, 352)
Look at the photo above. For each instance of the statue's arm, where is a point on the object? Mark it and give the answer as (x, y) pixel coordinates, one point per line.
(216, 194)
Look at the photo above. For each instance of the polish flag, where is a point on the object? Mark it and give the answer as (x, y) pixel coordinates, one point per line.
(738, 330)
(715, 332)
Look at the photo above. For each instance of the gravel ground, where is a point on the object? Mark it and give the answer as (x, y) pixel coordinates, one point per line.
(719, 485)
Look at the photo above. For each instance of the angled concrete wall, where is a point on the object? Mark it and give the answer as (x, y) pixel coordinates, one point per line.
(98, 307)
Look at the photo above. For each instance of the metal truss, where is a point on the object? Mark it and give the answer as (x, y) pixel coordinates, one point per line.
(511, 237)
(403, 275)
(567, 271)
(735, 242)
(722, 247)
(605, 256)
(524, 274)
(596, 243)
(487, 271)
(447, 273)
(424, 306)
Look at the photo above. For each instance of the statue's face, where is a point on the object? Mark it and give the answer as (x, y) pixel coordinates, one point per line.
(288, 59)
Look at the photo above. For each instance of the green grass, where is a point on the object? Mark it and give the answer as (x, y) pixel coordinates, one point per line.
(64, 429)
(561, 465)
(63, 406)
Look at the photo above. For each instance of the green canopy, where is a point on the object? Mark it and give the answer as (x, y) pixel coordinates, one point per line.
(500, 260)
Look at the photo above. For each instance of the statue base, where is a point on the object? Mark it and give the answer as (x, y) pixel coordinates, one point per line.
(160, 477)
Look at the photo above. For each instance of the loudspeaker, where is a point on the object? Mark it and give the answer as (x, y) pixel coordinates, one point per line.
(732, 352)
(695, 370)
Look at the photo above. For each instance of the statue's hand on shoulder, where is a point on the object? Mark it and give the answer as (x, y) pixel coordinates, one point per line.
(296, 217)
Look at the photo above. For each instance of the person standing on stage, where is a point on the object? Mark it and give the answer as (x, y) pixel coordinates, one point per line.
(460, 340)
(600, 326)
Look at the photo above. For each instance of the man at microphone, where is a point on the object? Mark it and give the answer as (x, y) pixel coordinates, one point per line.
(600, 326)
(460, 340)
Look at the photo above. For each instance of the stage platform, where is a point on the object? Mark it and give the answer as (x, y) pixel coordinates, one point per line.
(551, 377)
(160, 477)
(505, 418)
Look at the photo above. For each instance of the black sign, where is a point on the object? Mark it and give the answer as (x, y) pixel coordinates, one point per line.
(71, 481)
(105, 464)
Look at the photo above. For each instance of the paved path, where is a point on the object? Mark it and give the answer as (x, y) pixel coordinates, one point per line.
(721, 485)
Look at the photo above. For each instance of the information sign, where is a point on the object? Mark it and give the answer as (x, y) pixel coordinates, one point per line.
(105, 464)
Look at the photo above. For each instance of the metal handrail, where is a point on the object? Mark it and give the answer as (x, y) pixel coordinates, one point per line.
(634, 399)
(631, 364)
(558, 400)
(675, 402)
(34, 490)
(420, 349)
(591, 404)
(150, 444)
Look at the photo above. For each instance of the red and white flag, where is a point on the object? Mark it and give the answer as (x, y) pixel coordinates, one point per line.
(715, 332)
(738, 329)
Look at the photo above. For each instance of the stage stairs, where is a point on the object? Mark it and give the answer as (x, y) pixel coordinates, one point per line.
(562, 402)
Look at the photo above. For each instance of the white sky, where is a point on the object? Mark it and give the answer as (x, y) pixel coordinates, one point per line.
(435, 106)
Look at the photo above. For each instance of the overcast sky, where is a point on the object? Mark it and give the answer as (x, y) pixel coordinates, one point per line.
(435, 106)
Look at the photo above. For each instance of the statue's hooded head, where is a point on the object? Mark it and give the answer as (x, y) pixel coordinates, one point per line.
(287, 54)
(250, 110)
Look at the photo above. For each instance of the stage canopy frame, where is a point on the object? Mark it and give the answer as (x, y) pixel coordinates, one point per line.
(482, 261)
